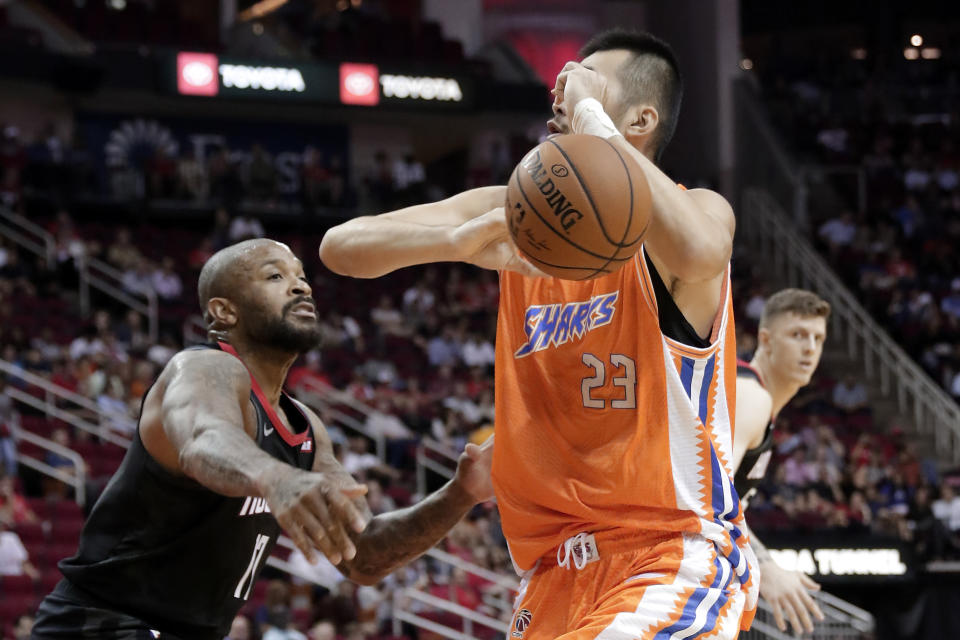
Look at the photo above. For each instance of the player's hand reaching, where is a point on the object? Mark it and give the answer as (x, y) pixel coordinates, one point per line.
(473, 470)
(317, 510)
(485, 241)
(788, 593)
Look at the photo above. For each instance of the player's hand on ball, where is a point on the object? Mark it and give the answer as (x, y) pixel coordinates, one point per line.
(788, 593)
(317, 510)
(473, 470)
(485, 241)
(574, 83)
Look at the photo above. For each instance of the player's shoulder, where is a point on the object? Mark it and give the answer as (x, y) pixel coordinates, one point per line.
(750, 392)
(209, 365)
(712, 201)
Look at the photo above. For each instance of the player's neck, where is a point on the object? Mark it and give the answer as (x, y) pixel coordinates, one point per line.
(781, 388)
(268, 366)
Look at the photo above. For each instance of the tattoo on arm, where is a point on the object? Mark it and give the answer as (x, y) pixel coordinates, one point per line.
(394, 539)
(202, 414)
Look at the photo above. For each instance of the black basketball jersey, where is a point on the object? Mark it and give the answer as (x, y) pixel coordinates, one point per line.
(755, 461)
(173, 553)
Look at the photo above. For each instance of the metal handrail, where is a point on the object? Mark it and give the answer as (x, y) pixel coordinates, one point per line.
(48, 407)
(426, 463)
(506, 581)
(77, 479)
(93, 273)
(99, 275)
(45, 246)
(792, 260)
(318, 394)
(469, 616)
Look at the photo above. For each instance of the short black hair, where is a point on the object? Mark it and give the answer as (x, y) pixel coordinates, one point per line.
(652, 74)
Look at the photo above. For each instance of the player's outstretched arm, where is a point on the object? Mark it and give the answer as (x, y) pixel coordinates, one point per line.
(691, 232)
(393, 539)
(468, 227)
(788, 592)
(205, 394)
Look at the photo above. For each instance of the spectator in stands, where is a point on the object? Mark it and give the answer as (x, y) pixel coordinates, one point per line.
(200, 254)
(87, 344)
(14, 559)
(240, 629)
(192, 179)
(166, 281)
(22, 627)
(338, 182)
(131, 333)
(262, 176)
(244, 227)
(839, 232)
(849, 395)
(379, 181)
(388, 320)
(946, 509)
(14, 509)
(419, 301)
(13, 160)
(9, 419)
(379, 501)
(116, 412)
(443, 349)
(322, 630)
(278, 626)
(307, 370)
(337, 330)
(315, 179)
(138, 278)
(382, 421)
(225, 185)
(477, 351)
(161, 174)
(122, 253)
(409, 180)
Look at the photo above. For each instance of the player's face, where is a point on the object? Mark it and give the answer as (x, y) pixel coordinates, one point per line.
(606, 64)
(279, 301)
(796, 344)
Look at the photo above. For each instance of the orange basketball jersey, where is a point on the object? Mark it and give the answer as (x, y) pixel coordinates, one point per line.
(605, 425)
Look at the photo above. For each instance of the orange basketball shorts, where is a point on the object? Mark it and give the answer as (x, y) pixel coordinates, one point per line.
(676, 586)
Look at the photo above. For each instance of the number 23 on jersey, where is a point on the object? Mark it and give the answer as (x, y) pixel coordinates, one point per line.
(622, 371)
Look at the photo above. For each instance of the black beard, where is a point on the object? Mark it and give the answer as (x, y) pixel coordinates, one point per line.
(280, 334)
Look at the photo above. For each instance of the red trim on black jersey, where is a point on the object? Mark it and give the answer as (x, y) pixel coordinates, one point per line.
(292, 439)
(747, 365)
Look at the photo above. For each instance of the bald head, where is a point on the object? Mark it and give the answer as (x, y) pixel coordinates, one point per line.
(224, 273)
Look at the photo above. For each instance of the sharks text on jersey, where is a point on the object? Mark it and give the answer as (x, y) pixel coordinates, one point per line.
(551, 325)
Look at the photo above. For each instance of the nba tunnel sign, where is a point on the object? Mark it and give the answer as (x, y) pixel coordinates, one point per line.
(843, 559)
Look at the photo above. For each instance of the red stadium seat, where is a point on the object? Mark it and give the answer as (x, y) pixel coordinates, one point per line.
(30, 533)
(14, 606)
(50, 579)
(67, 530)
(66, 510)
(14, 585)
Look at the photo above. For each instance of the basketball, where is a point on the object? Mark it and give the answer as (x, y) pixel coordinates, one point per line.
(576, 208)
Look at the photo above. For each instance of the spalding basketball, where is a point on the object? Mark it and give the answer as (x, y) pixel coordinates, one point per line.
(577, 208)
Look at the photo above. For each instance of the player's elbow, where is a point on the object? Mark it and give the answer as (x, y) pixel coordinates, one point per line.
(343, 252)
(335, 251)
(704, 259)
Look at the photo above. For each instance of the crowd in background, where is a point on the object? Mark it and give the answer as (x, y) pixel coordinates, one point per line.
(883, 139)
